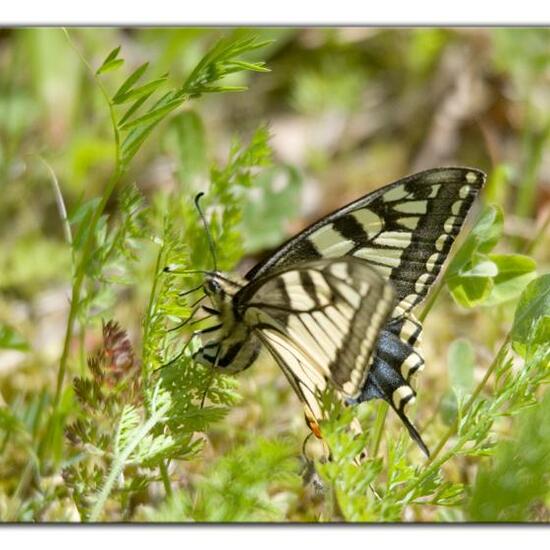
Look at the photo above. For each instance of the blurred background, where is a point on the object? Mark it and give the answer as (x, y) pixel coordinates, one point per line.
(348, 109)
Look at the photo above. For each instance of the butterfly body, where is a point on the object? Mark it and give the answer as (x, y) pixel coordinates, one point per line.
(333, 305)
(229, 344)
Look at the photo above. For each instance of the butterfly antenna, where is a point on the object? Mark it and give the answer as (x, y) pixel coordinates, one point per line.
(206, 228)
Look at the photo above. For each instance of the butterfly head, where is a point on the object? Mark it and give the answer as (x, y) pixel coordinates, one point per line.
(219, 288)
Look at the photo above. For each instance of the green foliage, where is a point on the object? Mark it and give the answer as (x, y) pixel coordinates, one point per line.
(476, 276)
(373, 489)
(131, 418)
(158, 416)
(515, 481)
(114, 252)
(11, 339)
(148, 107)
(116, 432)
(533, 311)
(461, 365)
(349, 483)
(255, 482)
(143, 433)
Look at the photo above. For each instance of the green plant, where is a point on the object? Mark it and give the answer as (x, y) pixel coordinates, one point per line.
(99, 165)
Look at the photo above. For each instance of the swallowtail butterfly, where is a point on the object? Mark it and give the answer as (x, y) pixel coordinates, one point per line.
(333, 305)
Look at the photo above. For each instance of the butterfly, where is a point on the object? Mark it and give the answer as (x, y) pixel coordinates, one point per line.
(333, 305)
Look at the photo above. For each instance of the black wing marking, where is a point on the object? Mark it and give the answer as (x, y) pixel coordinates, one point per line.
(405, 230)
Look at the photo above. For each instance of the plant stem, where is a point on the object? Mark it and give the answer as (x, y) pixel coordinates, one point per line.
(434, 294)
(538, 237)
(166, 479)
(149, 314)
(80, 270)
(379, 427)
(120, 461)
(454, 426)
(78, 281)
(429, 469)
(144, 371)
(61, 208)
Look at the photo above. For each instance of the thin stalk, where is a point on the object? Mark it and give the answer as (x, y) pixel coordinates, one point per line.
(61, 208)
(535, 241)
(434, 294)
(120, 461)
(80, 270)
(77, 285)
(454, 426)
(14, 503)
(379, 427)
(149, 313)
(82, 350)
(166, 479)
(144, 371)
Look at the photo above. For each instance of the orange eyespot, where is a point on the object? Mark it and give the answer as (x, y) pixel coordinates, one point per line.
(312, 424)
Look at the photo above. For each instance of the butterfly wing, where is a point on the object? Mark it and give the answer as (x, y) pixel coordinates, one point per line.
(320, 320)
(405, 230)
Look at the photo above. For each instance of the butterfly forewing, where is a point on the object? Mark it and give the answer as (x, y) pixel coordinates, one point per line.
(320, 320)
(405, 230)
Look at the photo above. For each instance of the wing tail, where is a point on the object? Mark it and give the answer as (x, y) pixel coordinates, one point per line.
(386, 382)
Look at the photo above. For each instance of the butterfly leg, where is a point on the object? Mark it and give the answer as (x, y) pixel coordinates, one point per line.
(183, 350)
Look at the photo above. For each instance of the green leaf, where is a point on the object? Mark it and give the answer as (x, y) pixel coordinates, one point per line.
(82, 216)
(534, 304)
(11, 339)
(471, 272)
(130, 81)
(461, 362)
(488, 229)
(219, 62)
(515, 271)
(448, 407)
(470, 291)
(142, 126)
(154, 115)
(111, 62)
(136, 93)
(480, 267)
(133, 108)
(498, 184)
(221, 88)
(111, 66)
(245, 66)
(482, 239)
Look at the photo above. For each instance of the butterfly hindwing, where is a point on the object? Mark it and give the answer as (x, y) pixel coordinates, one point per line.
(320, 320)
(405, 230)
